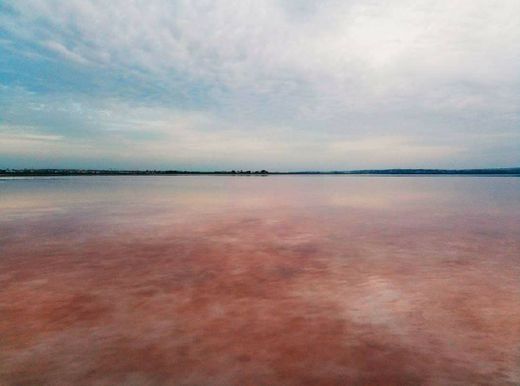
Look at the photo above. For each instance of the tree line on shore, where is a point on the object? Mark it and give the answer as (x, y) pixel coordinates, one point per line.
(112, 172)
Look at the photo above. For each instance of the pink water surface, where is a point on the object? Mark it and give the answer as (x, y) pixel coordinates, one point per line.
(278, 280)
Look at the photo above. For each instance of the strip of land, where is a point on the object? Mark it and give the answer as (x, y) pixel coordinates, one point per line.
(112, 172)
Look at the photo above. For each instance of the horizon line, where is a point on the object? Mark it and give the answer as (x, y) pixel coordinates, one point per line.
(114, 171)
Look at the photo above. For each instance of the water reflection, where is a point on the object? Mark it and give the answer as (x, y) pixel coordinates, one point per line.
(244, 280)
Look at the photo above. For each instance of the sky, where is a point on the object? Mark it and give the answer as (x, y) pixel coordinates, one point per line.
(259, 84)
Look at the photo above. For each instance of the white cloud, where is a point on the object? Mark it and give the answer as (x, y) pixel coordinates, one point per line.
(338, 73)
(241, 42)
(65, 52)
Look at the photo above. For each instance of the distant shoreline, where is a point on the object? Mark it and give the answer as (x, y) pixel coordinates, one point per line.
(511, 172)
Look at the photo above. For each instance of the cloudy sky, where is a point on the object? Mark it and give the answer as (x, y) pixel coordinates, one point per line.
(275, 84)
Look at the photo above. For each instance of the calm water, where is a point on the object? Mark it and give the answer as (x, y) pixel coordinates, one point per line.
(279, 280)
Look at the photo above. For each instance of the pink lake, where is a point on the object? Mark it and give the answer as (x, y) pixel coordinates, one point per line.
(277, 280)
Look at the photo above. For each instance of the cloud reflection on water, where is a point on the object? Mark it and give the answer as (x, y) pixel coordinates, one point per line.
(279, 280)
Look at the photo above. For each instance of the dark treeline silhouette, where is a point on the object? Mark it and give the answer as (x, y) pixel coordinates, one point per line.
(263, 172)
(439, 171)
(110, 172)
